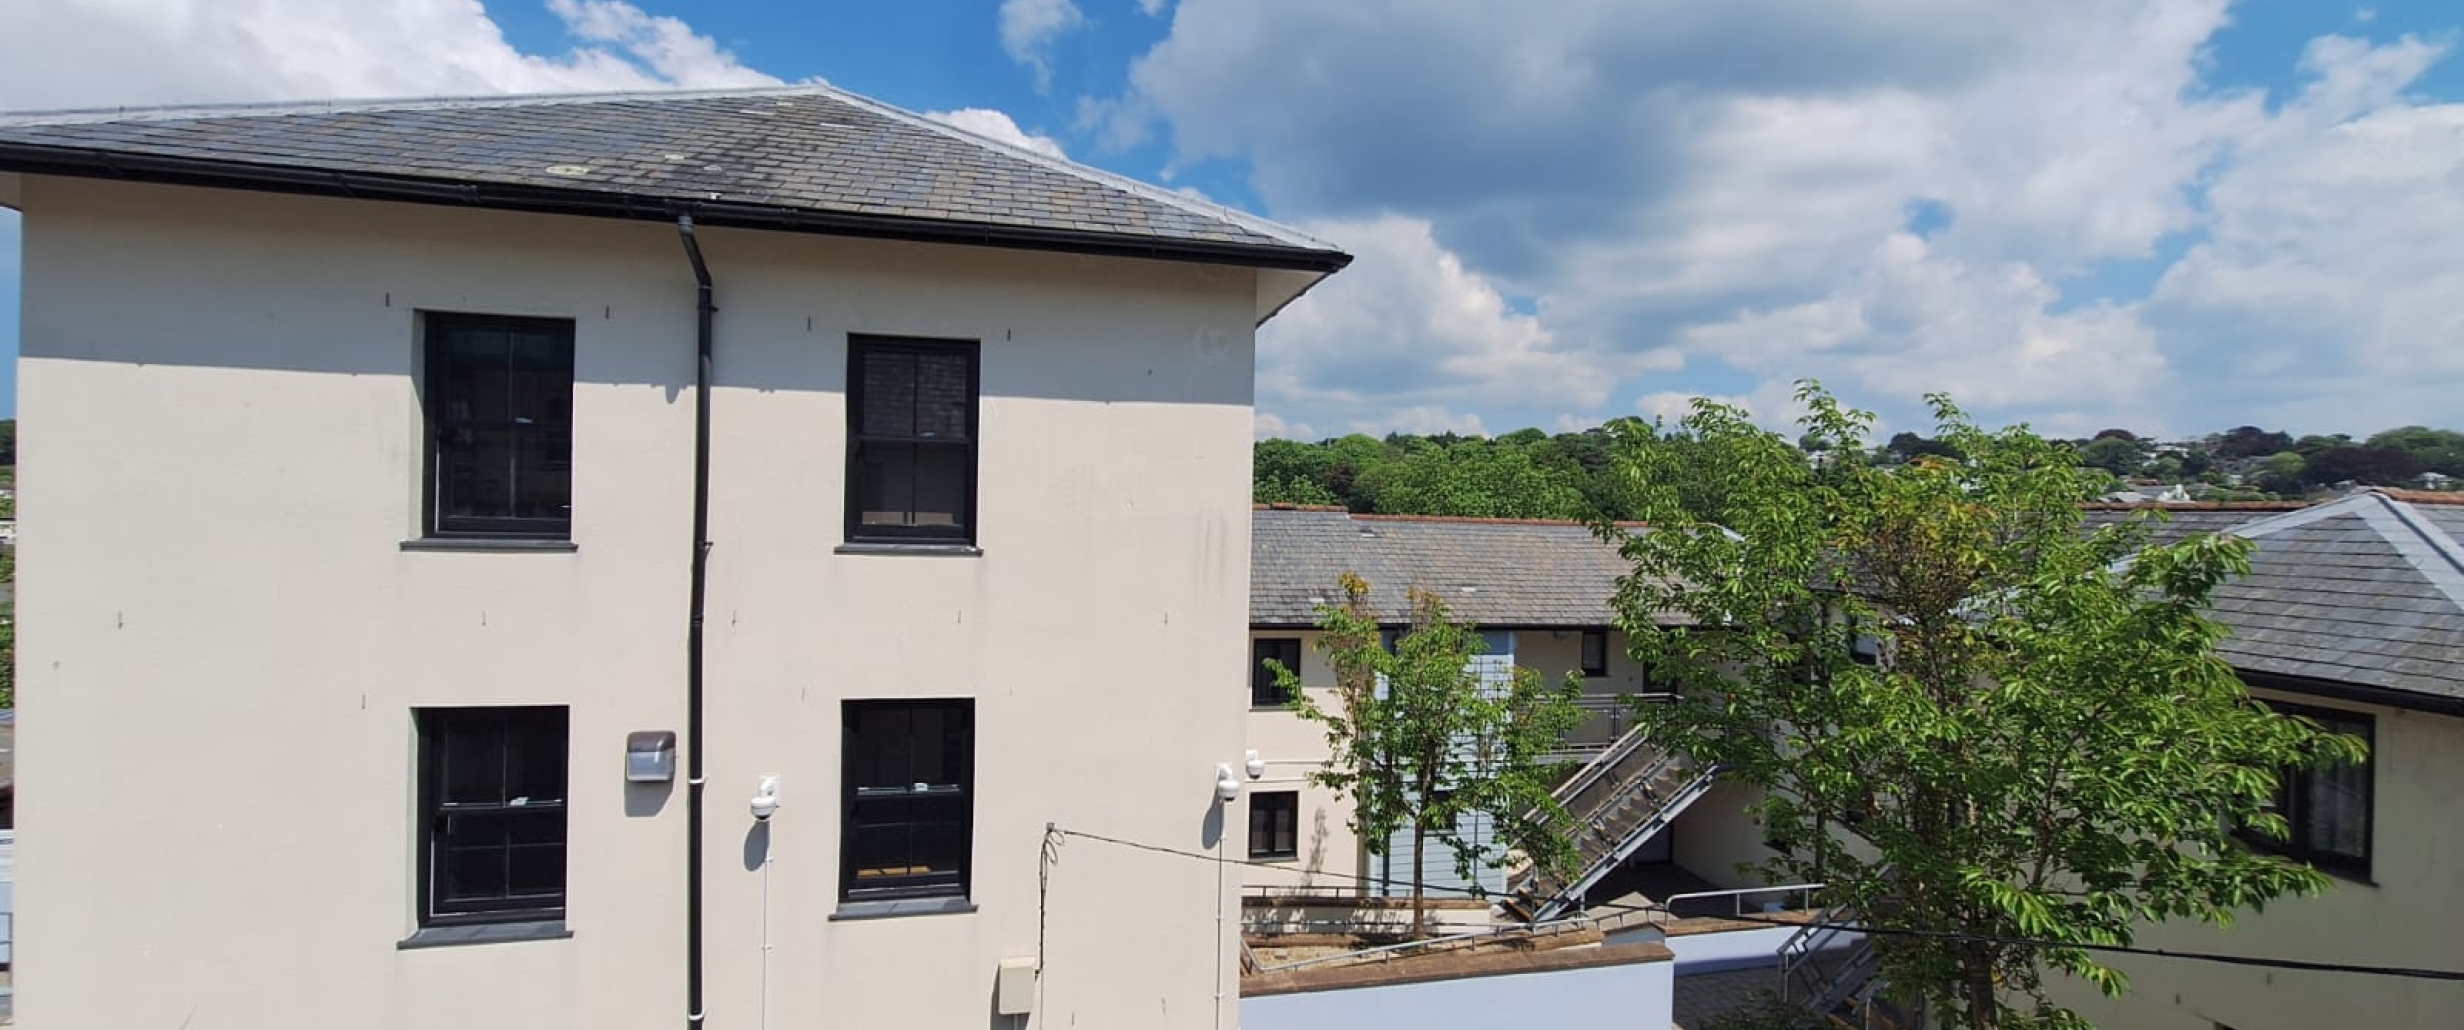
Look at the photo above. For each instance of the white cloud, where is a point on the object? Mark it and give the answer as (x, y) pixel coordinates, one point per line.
(139, 52)
(1409, 334)
(1270, 426)
(1153, 7)
(1029, 28)
(2328, 283)
(994, 125)
(1424, 419)
(1674, 188)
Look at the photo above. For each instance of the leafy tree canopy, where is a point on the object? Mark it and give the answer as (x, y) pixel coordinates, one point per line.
(2046, 747)
(1420, 739)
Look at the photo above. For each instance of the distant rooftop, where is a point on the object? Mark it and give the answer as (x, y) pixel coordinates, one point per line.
(800, 158)
(1502, 573)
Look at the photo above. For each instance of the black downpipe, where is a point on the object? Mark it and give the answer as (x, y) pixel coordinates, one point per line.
(703, 310)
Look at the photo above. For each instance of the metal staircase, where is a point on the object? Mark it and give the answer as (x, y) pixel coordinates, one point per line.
(1620, 801)
(1831, 969)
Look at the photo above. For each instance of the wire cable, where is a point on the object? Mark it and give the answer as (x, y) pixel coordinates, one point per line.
(2403, 972)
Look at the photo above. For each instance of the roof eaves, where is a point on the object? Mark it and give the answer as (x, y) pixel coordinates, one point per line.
(94, 162)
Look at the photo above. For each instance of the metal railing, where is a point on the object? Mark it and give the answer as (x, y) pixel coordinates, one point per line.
(1804, 893)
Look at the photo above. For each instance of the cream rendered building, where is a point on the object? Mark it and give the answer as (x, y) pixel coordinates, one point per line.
(1539, 591)
(2353, 614)
(361, 440)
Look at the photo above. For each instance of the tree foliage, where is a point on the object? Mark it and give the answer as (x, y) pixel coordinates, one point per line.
(1530, 474)
(1420, 741)
(2046, 748)
(2436, 450)
(2251, 442)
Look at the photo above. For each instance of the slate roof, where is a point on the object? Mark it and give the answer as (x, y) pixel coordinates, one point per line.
(2366, 590)
(1520, 573)
(2170, 523)
(803, 157)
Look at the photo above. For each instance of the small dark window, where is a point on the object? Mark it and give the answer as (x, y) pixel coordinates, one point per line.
(1264, 692)
(492, 801)
(1274, 825)
(499, 399)
(2326, 809)
(911, 408)
(1595, 652)
(908, 814)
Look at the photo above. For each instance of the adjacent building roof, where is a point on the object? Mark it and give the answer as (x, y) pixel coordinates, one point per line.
(1505, 573)
(805, 158)
(2170, 523)
(2364, 591)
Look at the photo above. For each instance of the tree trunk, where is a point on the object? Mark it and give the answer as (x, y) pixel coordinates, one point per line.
(1420, 884)
(1984, 1003)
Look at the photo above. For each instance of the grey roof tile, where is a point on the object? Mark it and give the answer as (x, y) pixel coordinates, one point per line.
(2367, 590)
(1491, 572)
(803, 148)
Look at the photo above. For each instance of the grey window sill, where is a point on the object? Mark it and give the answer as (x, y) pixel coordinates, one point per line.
(850, 910)
(871, 547)
(484, 933)
(484, 543)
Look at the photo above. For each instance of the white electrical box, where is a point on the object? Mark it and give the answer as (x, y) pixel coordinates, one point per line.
(1013, 992)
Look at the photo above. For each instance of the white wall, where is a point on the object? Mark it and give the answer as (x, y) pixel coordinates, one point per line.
(1636, 995)
(223, 642)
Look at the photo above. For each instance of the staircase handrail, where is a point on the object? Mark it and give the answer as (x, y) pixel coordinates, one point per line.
(1624, 745)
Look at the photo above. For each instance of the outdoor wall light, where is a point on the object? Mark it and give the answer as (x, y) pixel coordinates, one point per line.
(1227, 789)
(650, 756)
(1253, 765)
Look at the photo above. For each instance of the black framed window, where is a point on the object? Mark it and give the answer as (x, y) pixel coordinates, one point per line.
(2327, 810)
(1264, 692)
(1274, 824)
(908, 807)
(911, 407)
(1595, 652)
(499, 397)
(492, 805)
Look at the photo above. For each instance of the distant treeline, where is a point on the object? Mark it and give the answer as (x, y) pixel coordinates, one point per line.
(1532, 474)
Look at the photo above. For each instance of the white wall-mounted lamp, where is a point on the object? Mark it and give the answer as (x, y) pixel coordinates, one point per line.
(1252, 764)
(1227, 789)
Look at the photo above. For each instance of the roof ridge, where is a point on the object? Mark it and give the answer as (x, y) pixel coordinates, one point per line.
(2437, 556)
(2444, 564)
(1486, 520)
(2197, 505)
(349, 105)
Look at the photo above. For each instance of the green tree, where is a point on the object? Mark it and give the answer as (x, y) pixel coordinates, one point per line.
(1289, 472)
(2121, 455)
(2283, 473)
(1480, 478)
(2437, 450)
(2369, 466)
(1420, 741)
(2251, 442)
(2046, 748)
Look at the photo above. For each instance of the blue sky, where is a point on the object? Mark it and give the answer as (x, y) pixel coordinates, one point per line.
(2172, 215)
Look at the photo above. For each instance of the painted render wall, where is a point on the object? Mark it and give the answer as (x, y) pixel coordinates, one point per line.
(1292, 746)
(223, 642)
(1329, 852)
(2410, 913)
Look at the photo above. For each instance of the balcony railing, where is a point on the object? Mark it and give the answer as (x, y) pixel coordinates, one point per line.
(1606, 718)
